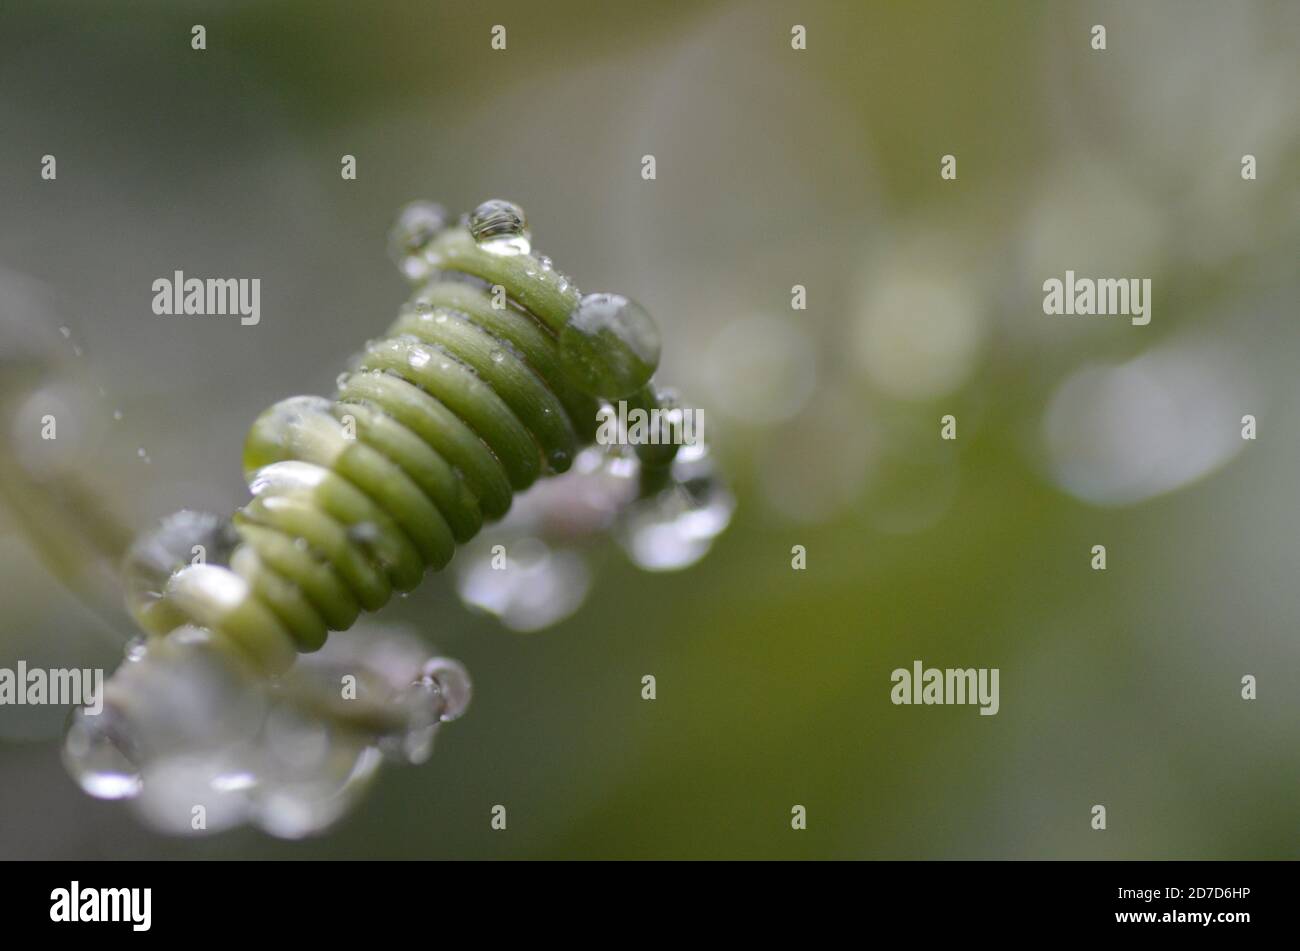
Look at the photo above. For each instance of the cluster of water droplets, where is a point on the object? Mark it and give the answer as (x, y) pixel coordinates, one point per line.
(199, 743)
(188, 727)
(535, 568)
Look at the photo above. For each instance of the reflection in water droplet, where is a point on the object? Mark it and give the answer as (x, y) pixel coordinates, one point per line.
(172, 785)
(537, 588)
(417, 225)
(610, 346)
(500, 227)
(294, 739)
(95, 752)
(453, 684)
(287, 755)
(293, 807)
(676, 527)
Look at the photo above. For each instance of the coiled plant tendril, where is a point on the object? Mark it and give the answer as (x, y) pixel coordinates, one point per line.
(466, 400)
(491, 377)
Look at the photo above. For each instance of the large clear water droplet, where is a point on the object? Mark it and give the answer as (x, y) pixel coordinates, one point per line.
(173, 785)
(100, 755)
(416, 227)
(500, 227)
(610, 346)
(675, 527)
(537, 587)
(292, 807)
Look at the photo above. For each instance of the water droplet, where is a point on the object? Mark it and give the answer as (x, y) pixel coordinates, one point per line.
(419, 357)
(417, 226)
(453, 685)
(171, 785)
(500, 227)
(539, 587)
(675, 528)
(117, 415)
(610, 346)
(295, 739)
(498, 356)
(364, 533)
(96, 753)
(151, 560)
(293, 807)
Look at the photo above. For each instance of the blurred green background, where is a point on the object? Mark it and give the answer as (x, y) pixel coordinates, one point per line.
(775, 168)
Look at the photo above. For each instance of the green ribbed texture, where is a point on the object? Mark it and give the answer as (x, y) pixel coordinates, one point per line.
(460, 405)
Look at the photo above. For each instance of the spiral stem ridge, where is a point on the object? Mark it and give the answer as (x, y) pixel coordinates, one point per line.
(490, 378)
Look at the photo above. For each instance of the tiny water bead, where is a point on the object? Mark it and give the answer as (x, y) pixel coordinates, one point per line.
(500, 227)
(610, 346)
